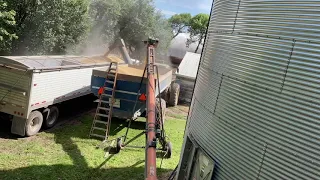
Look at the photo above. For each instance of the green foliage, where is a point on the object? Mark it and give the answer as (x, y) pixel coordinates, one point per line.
(66, 152)
(62, 26)
(132, 20)
(180, 22)
(48, 27)
(7, 23)
(198, 28)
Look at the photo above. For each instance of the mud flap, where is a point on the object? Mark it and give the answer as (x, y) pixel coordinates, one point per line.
(18, 126)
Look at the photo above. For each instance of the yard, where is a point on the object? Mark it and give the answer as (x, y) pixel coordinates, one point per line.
(66, 152)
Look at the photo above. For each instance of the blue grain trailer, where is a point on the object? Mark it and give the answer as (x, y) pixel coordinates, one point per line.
(130, 88)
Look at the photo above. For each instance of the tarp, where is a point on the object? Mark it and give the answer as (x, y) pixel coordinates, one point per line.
(47, 62)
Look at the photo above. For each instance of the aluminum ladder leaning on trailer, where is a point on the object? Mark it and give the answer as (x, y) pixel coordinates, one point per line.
(102, 119)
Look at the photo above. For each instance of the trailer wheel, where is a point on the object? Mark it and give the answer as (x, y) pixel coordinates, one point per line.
(34, 123)
(119, 145)
(52, 117)
(174, 94)
(168, 150)
(163, 110)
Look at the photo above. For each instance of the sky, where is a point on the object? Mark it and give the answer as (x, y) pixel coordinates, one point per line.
(171, 7)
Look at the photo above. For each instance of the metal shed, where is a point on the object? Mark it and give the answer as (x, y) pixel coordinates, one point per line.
(255, 112)
(36, 83)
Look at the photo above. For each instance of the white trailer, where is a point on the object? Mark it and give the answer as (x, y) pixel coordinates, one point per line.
(30, 86)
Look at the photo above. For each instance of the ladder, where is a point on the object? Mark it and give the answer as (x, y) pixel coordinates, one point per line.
(102, 119)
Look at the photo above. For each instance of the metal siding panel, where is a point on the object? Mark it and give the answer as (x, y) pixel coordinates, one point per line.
(223, 15)
(208, 91)
(256, 60)
(256, 102)
(231, 151)
(281, 19)
(52, 85)
(303, 74)
(16, 79)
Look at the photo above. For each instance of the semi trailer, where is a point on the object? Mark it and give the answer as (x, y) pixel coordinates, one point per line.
(32, 86)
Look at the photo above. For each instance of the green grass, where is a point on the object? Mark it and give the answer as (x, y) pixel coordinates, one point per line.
(67, 153)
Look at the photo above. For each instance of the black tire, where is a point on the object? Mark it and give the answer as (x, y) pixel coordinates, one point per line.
(168, 150)
(34, 123)
(119, 145)
(174, 94)
(52, 117)
(163, 106)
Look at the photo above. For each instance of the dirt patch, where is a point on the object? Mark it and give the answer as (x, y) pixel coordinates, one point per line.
(178, 112)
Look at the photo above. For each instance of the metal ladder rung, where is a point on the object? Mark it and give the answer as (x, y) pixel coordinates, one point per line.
(97, 135)
(103, 115)
(108, 95)
(106, 109)
(102, 122)
(107, 88)
(105, 102)
(111, 78)
(97, 128)
(110, 82)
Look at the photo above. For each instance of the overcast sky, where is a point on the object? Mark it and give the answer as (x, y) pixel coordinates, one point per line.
(171, 7)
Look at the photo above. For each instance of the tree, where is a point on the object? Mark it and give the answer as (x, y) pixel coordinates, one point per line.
(131, 20)
(179, 23)
(70, 26)
(48, 27)
(198, 28)
(7, 23)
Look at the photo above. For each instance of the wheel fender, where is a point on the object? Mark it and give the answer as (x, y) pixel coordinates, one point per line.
(46, 110)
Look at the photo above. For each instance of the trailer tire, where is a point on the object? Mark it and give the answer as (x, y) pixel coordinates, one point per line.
(119, 145)
(168, 150)
(163, 110)
(52, 117)
(174, 94)
(34, 123)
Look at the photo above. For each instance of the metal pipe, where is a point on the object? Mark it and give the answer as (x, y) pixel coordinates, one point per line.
(125, 53)
(119, 43)
(151, 118)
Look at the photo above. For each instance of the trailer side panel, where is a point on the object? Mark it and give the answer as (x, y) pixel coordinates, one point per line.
(14, 91)
(54, 87)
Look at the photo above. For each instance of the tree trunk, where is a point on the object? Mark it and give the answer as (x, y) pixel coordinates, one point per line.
(200, 40)
(198, 45)
(178, 32)
(175, 35)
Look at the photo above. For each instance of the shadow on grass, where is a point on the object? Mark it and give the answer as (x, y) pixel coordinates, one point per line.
(80, 168)
(118, 124)
(74, 172)
(5, 127)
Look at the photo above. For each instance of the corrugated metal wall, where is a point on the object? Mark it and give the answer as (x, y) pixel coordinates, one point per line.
(256, 106)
